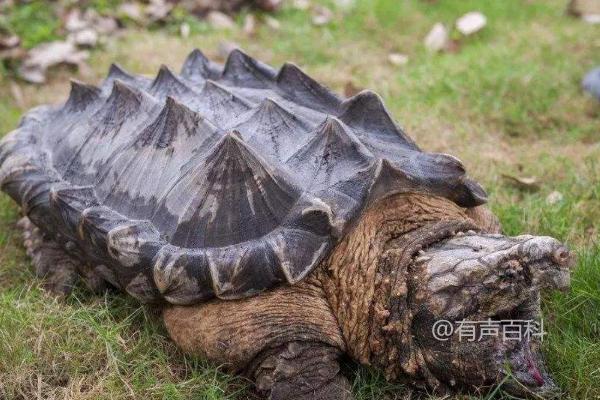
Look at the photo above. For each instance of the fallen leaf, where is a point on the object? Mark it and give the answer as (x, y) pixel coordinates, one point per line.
(437, 38)
(131, 11)
(85, 38)
(397, 59)
(522, 183)
(272, 23)
(587, 10)
(471, 23)
(302, 5)
(184, 30)
(219, 20)
(74, 21)
(591, 18)
(105, 25)
(9, 41)
(85, 71)
(322, 16)
(17, 95)
(40, 58)
(158, 10)
(554, 198)
(453, 46)
(16, 53)
(249, 27)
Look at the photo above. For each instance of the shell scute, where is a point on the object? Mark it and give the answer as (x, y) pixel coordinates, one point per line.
(81, 96)
(237, 198)
(167, 84)
(132, 243)
(244, 71)
(183, 277)
(197, 68)
(116, 72)
(67, 203)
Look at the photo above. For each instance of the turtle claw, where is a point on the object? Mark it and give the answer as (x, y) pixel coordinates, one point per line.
(301, 371)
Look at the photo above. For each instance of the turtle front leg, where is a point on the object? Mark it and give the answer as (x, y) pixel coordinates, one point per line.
(301, 371)
(59, 270)
(286, 340)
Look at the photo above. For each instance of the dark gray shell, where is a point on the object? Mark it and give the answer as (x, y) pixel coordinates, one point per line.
(220, 181)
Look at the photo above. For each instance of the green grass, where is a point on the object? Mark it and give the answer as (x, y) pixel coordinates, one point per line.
(508, 102)
(34, 22)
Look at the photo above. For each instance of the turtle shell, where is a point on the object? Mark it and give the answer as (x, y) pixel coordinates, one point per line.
(218, 181)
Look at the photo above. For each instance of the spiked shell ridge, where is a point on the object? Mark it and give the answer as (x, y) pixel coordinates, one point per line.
(218, 181)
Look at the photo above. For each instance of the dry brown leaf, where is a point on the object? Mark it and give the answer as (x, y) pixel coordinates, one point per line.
(40, 58)
(554, 197)
(529, 183)
(105, 25)
(158, 10)
(345, 4)
(184, 30)
(322, 15)
(75, 21)
(219, 20)
(397, 59)
(587, 10)
(16, 53)
(471, 23)
(9, 41)
(437, 38)
(249, 28)
(453, 46)
(302, 5)
(132, 11)
(85, 38)
(272, 23)
(17, 95)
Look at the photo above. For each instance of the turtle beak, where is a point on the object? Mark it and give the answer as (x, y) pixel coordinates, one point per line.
(483, 277)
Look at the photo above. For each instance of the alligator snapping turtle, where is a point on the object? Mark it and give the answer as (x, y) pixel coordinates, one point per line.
(278, 226)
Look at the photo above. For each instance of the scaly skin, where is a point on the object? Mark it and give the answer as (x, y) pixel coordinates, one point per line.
(404, 265)
(59, 270)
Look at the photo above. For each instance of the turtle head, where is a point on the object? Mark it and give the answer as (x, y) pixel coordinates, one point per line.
(473, 301)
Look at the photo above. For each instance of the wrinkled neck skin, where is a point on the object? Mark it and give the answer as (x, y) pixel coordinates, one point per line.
(412, 260)
(365, 277)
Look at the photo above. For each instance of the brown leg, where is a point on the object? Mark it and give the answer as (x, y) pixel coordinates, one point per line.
(58, 269)
(286, 339)
(301, 371)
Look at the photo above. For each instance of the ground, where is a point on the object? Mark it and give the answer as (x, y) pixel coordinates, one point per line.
(507, 102)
